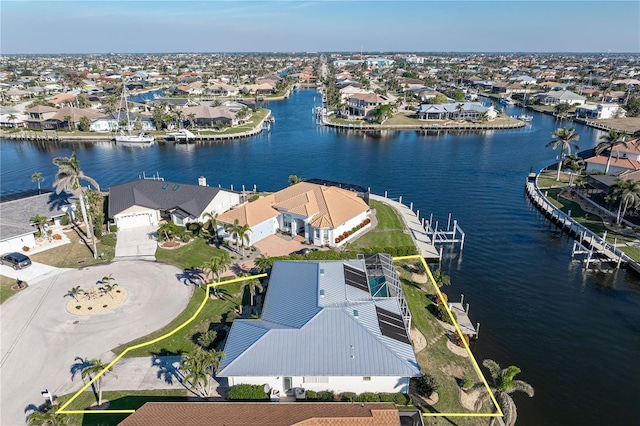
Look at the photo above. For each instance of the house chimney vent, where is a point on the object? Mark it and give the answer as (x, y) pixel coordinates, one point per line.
(202, 181)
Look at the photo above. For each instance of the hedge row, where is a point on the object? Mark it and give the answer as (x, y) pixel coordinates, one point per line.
(247, 392)
(397, 398)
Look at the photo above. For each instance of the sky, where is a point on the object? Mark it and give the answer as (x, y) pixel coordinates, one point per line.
(96, 26)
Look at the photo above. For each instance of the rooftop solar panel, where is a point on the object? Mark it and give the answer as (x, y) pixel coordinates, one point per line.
(356, 278)
(392, 325)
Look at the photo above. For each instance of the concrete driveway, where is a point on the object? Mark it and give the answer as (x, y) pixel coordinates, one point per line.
(137, 243)
(40, 339)
(31, 274)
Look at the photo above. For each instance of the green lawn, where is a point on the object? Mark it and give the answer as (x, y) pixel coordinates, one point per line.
(119, 400)
(388, 233)
(5, 288)
(192, 255)
(77, 253)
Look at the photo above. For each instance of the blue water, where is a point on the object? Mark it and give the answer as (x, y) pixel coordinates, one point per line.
(574, 334)
(146, 96)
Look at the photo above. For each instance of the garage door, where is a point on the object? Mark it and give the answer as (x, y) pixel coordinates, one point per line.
(134, 220)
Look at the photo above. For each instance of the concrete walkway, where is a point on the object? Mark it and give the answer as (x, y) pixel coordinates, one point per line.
(40, 340)
(414, 227)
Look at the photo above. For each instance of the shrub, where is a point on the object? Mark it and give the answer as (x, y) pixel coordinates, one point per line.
(56, 236)
(368, 397)
(438, 300)
(247, 392)
(312, 395)
(25, 248)
(425, 385)
(467, 382)
(326, 396)
(348, 397)
(104, 306)
(397, 398)
(206, 339)
(78, 306)
(65, 220)
(109, 240)
(113, 228)
(460, 341)
(443, 315)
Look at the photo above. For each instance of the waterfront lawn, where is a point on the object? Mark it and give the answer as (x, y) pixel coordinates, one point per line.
(118, 400)
(549, 180)
(77, 253)
(182, 341)
(390, 231)
(591, 221)
(407, 118)
(191, 255)
(436, 359)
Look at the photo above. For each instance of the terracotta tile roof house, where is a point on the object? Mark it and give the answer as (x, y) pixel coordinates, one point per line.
(317, 213)
(268, 414)
(623, 159)
(361, 105)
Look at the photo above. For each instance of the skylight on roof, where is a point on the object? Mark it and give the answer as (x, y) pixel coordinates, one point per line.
(175, 188)
(165, 186)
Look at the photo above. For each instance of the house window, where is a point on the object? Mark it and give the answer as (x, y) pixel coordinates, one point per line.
(315, 379)
(366, 379)
(317, 233)
(325, 235)
(286, 221)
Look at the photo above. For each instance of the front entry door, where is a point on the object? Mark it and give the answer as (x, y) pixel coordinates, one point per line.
(286, 383)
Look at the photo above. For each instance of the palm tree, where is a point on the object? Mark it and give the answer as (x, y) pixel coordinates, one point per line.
(12, 118)
(37, 177)
(67, 118)
(565, 139)
(609, 142)
(68, 178)
(211, 224)
(628, 191)
(107, 287)
(216, 266)
(263, 263)
(40, 220)
(47, 417)
(293, 179)
(197, 367)
(233, 229)
(502, 386)
(244, 235)
(254, 285)
(459, 109)
(575, 163)
(74, 292)
(441, 278)
(192, 118)
(94, 367)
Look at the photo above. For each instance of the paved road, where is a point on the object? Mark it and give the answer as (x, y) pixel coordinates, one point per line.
(32, 274)
(40, 339)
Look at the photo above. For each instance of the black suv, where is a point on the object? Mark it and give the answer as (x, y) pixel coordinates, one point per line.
(15, 260)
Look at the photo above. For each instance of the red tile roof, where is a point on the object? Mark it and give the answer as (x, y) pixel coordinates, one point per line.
(258, 413)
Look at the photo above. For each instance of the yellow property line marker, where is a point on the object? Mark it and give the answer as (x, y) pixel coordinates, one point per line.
(63, 410)
(464, 341)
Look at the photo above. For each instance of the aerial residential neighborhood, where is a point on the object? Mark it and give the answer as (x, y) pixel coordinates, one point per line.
(319, 213)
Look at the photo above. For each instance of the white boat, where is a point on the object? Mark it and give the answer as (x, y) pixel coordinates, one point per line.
(507, 101)
(126, 136)
(526, 118)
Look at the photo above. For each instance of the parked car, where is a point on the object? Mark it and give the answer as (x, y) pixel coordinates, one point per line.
(305, 250)
(15, 260)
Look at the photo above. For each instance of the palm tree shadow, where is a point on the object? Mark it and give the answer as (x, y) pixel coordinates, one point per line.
(167, 370)
(193, 276)
(78, 367)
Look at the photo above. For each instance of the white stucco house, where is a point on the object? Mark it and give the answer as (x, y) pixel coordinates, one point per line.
(317, 213)
(623, 159)
(145, 202)
(556, 97)
(600, 111)
(332, 325)
(16, 228)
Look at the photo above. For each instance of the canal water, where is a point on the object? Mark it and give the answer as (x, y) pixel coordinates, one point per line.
(574, 334)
